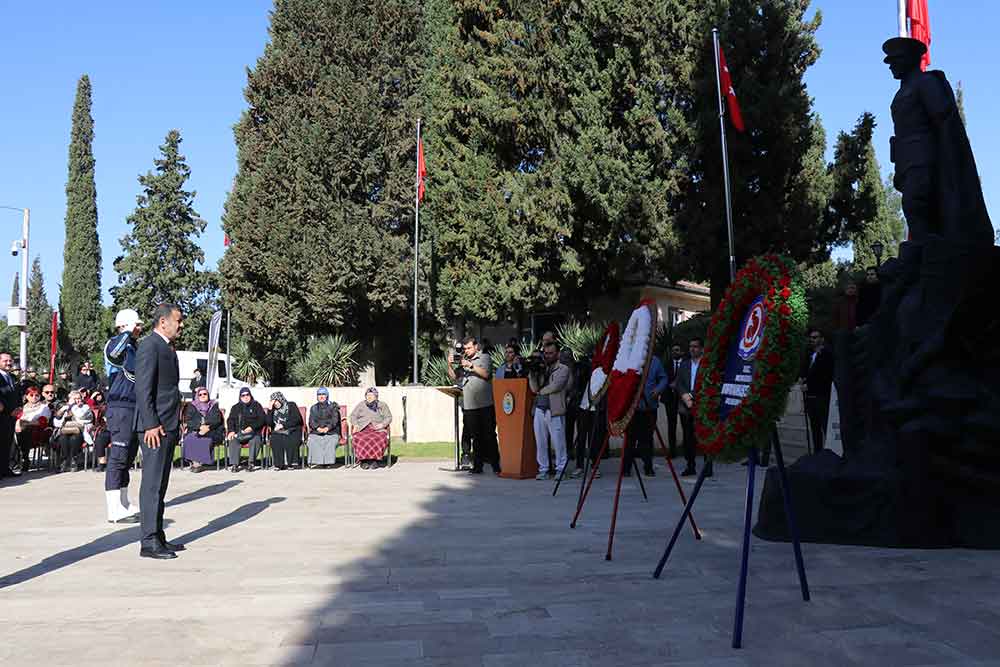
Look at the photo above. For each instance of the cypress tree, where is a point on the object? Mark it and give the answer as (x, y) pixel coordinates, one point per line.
(160, 257)
(779, 182)
(80, 291)
(320, 214)
(862, 209)
(39, 319)
(15, 295)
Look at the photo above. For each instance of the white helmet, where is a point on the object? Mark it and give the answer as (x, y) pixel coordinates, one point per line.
(127, 318)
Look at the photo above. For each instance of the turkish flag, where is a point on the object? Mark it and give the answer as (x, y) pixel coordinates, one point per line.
(52, 349)
(726, 83)
(421, 170)
(920, 27)
(225, 240)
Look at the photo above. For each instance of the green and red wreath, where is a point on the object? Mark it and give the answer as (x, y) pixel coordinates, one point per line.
(776, 281)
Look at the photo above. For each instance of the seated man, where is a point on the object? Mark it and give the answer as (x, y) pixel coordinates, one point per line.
(370, 419)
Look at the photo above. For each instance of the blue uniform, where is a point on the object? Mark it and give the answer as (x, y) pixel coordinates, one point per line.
(119, 360)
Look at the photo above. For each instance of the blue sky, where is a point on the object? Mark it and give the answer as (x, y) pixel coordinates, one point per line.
(182, 64)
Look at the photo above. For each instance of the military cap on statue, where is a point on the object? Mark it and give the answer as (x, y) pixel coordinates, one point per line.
(903, 46)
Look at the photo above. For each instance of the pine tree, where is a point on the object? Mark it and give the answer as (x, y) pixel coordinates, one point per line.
(960, 101)
(779, 180)
(862, 209)
(80, 292)
(160, 257)
(15, 295)
(39, 319)
(320, 214)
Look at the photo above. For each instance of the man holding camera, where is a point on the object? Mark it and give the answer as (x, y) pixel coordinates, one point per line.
(549, 381)
(473, 375)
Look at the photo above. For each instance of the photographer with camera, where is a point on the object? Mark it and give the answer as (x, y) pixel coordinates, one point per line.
(471, 371)
(549, 378)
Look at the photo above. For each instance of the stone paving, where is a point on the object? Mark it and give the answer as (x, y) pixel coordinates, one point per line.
(416, 566)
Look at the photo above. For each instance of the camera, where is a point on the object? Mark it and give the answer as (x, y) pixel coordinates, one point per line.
(456, 357)
(533, 363)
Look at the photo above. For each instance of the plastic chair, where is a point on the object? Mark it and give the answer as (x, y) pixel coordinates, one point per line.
(304, 447)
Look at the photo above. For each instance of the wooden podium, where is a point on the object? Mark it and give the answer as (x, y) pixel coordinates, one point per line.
(513, 402)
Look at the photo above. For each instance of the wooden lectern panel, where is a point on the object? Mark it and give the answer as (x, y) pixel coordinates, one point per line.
(513, 402)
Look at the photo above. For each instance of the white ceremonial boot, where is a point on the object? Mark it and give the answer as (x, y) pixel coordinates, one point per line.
(116, 511)
(125, 502)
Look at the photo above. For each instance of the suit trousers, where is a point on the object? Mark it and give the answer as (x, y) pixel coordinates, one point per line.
(639, 439)
(548, 427)
(690, 445)
(818, 409)
(6, 442)
(156, 466)
(671, 405)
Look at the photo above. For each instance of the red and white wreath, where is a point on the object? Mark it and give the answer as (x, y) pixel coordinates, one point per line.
(600, 367)
(628, 374)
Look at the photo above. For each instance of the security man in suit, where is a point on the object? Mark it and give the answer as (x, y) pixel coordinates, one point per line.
(684, 385)
(10, 400)
(670, 399)
(157, 417)
(817, 380)
(119, 358)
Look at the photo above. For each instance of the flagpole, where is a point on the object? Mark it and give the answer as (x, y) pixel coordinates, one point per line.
(416, 253)
(725, 158)
(903, 31)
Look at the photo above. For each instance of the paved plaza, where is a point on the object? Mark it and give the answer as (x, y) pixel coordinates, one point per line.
(416, 567)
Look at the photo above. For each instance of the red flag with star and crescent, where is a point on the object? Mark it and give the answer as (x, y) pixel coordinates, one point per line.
(726, 83)
(421, 170)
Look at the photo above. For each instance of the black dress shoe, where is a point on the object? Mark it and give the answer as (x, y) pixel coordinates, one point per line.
(9, 473)
(173, 546)
(689, 472)
(708, 470)
(159, 553)
(132, 518)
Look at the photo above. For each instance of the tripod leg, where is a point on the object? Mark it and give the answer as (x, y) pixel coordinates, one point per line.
(618, 492)
(562, 473)
(680, 524)
(638, 476)
(745, 557)
(677, 483)
(786, 494)
(590, 481)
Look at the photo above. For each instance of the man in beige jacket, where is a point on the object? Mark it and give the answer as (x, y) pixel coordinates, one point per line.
(549, 385)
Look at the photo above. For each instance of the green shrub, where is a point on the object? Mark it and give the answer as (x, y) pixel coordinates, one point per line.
(328, 362)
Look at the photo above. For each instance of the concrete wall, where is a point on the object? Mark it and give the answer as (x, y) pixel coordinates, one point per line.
(429, 413)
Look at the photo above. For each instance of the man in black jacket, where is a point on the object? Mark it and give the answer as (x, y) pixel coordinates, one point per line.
(158, 405)
(10, 400)
(670, 398)
(817, 376)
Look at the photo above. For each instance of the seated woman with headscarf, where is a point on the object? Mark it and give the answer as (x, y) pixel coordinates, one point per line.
(203, 430)
(370, 420)
(244, 426)
(71, 420)
(30, 426)
(286, 431)
(324, 430)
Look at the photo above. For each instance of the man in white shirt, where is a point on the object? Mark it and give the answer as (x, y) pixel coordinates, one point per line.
(684, 385)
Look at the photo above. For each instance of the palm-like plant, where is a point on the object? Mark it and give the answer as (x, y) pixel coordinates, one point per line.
(329, 362)
(435, 372)
(580, 339)
(244, 366)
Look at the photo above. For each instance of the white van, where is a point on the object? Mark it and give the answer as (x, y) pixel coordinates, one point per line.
(188, 360)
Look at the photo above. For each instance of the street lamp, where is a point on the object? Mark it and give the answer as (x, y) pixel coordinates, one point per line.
(17, 316)
(878, 248)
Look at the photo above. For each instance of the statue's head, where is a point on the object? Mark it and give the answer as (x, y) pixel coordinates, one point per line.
(903, 55)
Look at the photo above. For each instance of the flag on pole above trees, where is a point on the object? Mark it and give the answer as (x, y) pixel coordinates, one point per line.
(726, 83)
(920, 27)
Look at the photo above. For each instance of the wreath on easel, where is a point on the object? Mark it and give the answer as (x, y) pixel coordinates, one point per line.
(600, 367)
(776, 281)
(628, 374)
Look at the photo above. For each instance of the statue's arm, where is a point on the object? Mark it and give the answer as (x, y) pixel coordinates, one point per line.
(937, 98)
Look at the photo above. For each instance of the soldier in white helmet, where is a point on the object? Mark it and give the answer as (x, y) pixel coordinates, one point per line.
(119, 358)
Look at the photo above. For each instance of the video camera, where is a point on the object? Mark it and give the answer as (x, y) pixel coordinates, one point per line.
(456, 357)
(533, 363)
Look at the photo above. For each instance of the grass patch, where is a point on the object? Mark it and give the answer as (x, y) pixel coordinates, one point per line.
(442, 451)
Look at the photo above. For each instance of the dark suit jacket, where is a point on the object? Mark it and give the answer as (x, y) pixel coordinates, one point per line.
(10, 396)
(158, 398)
(682, 383)
(819, 374)
(670, 396)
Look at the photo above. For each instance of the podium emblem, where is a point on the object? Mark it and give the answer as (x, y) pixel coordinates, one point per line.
(508, 403)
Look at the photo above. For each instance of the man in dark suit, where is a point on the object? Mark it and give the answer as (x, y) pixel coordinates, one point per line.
(157, 417)
(670, 399)
(817, 378)
(10, 400)
(684, 384)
